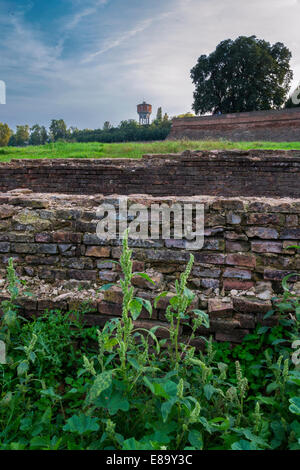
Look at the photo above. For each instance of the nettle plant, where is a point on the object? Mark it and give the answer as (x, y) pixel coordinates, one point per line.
(168, 397)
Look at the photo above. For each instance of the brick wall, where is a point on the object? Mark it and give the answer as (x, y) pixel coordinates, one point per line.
(53, 241)
(225, 173)
(275, 126)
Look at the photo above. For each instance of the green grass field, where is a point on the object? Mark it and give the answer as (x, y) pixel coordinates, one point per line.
(132, 149)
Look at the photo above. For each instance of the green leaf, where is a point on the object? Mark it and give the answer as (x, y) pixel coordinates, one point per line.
(295, 405)
(174, 301)
(156, 388)
(284, 283)
(81, 424)
(47, 415)
(23, 368)
(106, 287)
(117, 402)
(160, 296)
(132, 444)
(144, 276)
(204, 317)
(49, 392)
(269, 314)
(263, 330)
(243, 445)
(209, 390)
(101, 382)
(146, 304)
(254, 439)
(189, 294)
(195, 439)
(166, 408)
(40, 443)
(135, 308)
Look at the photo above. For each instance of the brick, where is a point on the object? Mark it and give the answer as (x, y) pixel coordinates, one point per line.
(157, 278)
(245, 321)
(237, 273)
(291, 220)
(213, 244)
(290, 234)
(110, 308)
(108, 276)
(47, 248)
(67, 237)
(266, 247)
(82, 275)
(7, 211)
(209, 258)
(206, 272)
(233, 219)
(238, 259)
(98, 251)
(265, 219)
(217, 308)
(235, 336)
(237, 246)
(224, 325)
(114, 295)
(278, 275)
(246, 305)
(92, 239)
(24, 247)
(262, 232)
(4, 247)
(235, 284)
(44, 237)
(210, 283)
(233, 236)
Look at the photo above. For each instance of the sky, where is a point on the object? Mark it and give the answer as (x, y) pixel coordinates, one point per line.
(89, 61)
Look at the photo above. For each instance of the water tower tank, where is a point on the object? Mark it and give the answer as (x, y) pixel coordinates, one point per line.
(144, 111)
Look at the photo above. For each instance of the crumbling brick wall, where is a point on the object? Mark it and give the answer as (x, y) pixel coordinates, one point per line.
(52, 239)
(274, 126)
(224, 173)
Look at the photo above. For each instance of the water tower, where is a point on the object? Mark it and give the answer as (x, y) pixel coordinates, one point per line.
(144, 111)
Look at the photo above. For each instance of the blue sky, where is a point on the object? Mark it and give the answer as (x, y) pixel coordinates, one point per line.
(94, 60)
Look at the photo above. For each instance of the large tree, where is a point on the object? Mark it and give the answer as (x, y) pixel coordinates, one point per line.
(22, 135)
(38, 135)
(5, 134)
(58, 129)
(247, 74)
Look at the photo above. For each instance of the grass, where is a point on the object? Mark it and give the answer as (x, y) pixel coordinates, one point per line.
(132, 149)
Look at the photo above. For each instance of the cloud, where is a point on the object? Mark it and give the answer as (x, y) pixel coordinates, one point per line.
(79, 16)
(97, 63)
(120, 39)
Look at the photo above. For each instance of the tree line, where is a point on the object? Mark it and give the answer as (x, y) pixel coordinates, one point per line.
(126, 131)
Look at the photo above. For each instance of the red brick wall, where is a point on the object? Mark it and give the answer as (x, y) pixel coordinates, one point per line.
(275, 126)
(224, 173)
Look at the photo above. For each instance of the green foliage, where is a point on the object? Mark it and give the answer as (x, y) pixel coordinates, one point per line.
(5, 133)
(66, 386)
(38, 135)
(246, 74)
(58, 129)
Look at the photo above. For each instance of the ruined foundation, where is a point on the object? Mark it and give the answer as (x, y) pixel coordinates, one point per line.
(52, 235)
